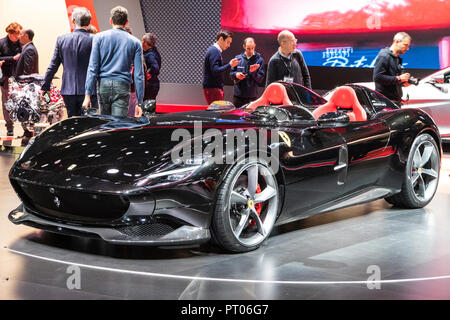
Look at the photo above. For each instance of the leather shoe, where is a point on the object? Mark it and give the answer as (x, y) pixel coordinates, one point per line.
(27, 134)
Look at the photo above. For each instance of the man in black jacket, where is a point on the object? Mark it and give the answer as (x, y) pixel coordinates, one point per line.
(10, 48)
(388, 72)
(28, 62)
(288, 64)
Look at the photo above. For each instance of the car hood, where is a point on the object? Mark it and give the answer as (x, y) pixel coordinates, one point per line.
(117, 150)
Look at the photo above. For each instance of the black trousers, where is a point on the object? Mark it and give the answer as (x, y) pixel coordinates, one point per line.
(9, 122)
(151, 91)
(239, 102)
(73, 104)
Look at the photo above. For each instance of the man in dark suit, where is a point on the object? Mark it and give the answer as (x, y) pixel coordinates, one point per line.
(28, 62)
(73, 51)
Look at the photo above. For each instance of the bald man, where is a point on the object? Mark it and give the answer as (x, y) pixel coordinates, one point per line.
(288, 64)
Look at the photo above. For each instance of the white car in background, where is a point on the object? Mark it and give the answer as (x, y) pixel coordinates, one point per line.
(431, 94)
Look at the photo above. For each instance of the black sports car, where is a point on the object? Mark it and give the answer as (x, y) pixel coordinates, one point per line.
(117, 179)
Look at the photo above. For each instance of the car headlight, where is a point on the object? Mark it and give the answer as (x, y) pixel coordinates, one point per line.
(171, 175)
(174, 175)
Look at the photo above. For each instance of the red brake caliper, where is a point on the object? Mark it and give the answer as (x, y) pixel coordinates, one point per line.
(258, 206)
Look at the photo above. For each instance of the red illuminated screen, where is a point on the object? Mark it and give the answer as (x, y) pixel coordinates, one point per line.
(327, 16)
(88, 4)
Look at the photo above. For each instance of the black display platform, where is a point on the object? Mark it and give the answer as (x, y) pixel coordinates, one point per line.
(337, 255)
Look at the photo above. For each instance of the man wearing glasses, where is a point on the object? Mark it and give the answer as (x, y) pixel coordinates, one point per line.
(288, 64)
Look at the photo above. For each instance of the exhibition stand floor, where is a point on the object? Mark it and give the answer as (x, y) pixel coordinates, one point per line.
(370, 251)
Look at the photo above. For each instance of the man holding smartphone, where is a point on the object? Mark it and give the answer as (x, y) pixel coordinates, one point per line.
(388, 73)
(214, 68)
(247, 74)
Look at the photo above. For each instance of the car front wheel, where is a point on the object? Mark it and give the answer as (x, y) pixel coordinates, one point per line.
(246, 208)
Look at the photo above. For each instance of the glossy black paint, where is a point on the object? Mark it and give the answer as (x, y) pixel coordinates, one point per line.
(91, 175)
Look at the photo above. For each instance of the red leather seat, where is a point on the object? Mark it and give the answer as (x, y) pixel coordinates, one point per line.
(345, 98)
(275, 94)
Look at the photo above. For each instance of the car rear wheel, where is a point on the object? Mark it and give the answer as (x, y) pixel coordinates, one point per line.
(246, 208)
(421, 176)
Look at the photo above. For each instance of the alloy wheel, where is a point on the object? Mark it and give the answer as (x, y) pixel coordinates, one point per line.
(253, 204)
(425, 171)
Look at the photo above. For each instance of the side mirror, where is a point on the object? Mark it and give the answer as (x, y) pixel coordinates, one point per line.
(333, 117)
(438, 81)
(149, 108)
(439, 78)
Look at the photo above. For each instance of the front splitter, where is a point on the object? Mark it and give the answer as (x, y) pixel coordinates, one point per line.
(183, 236)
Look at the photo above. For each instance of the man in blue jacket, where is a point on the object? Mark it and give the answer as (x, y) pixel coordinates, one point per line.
(152, 60)
(247, 74)
(214, 68)
(73, 51)
(114, 52)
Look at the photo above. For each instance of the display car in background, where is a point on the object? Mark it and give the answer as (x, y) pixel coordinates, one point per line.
(431, 94)
(115, 178)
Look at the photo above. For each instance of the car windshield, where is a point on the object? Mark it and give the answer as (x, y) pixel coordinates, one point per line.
(305, 96)
(373, 102)
(380, 102)
(444, 72)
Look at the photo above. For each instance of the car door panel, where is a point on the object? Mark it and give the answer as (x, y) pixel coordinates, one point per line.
(367, 152)
(312, 169)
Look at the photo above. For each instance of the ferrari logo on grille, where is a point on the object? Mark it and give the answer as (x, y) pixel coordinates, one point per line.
(57, 202)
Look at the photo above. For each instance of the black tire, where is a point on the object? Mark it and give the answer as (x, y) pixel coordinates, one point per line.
(410, 197)
(225, 210)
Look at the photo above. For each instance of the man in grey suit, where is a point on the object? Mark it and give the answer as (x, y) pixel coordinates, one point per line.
(72, 50)
(28, 62)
